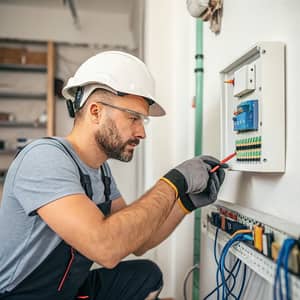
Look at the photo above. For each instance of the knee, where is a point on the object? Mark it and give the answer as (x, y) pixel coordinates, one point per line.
(153, 273)
(152, 268)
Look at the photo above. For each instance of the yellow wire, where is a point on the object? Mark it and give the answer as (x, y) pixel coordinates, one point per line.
(242, 231)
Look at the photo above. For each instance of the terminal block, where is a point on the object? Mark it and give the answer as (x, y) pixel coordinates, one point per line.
(249, 149)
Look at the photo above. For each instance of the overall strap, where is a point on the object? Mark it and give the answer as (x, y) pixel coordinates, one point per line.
(106, 181)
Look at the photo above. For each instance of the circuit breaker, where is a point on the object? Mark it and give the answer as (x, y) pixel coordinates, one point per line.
(253, 109)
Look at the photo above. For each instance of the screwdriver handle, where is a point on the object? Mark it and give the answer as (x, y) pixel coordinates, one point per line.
(224, 160)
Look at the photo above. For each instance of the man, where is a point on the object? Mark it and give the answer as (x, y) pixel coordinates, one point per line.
(61, 209)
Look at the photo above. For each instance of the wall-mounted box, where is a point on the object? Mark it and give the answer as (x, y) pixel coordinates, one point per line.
(253, 109)
(244, 80)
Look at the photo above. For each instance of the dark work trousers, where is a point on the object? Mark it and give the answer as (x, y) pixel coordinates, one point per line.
(65, 275)
(130, 280)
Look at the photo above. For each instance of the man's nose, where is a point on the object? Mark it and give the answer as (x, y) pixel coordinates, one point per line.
(140, 132)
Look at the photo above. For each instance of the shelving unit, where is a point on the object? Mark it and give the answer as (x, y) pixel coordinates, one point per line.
(14, 124)
(17, 96)
(26, 91)
(23, 68)
(7, 152)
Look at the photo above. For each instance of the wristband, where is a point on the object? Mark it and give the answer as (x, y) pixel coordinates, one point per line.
(183, 208)
(177, 181)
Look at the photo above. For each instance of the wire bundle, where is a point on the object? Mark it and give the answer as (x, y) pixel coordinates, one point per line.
(283, 261)
(233, 272)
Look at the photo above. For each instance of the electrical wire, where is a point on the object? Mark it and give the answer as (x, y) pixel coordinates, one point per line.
(277, 280)
(186, 277)
(215, 246)
(241, 231)
(237, 265)
(291, 244)
(238, 262)
(221, 267)
(225, 289)
(282, 261)
(243, 282)
(226, 292)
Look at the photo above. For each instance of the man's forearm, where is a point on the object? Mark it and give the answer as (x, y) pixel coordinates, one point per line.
(174, 218)
(128, 229)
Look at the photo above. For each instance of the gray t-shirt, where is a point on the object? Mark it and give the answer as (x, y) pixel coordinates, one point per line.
(43, 172)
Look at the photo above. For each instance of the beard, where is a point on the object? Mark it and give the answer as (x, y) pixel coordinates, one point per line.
(109, 140)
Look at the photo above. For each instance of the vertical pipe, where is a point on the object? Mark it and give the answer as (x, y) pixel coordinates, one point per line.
(198, 147)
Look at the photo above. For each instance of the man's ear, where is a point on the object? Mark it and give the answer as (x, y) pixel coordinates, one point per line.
(95, 112)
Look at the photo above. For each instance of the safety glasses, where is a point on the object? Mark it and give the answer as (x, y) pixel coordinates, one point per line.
(135, 116)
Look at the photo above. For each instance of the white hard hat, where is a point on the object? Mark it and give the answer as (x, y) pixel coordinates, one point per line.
(115, 71)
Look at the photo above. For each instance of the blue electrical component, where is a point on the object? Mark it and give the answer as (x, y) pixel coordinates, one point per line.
(246, 116)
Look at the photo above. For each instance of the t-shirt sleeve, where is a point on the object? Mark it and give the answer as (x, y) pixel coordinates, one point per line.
(45, 174)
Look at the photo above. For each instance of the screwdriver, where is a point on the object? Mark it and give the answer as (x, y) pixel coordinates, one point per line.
(224, 160)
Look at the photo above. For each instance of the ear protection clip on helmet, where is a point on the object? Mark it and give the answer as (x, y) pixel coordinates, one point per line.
(73, 107)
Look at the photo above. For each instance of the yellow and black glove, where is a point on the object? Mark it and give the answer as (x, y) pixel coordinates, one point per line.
(194, 185)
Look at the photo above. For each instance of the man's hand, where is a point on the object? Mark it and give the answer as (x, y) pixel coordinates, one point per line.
(194, 184)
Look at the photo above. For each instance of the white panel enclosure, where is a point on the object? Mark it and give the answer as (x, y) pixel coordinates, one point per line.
(253, 109)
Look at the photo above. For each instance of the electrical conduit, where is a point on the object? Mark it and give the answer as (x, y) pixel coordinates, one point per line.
(198, 147)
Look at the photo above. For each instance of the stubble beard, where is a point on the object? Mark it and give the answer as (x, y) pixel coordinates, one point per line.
(109, 140)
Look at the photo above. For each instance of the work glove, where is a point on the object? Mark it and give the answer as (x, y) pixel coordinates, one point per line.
(194, 185)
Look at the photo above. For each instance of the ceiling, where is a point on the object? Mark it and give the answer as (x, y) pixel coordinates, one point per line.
(113, 6)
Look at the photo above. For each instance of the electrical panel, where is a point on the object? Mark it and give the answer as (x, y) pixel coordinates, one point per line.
(253, 109)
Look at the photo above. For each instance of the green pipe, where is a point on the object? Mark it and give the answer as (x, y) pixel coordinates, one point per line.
(198, 148)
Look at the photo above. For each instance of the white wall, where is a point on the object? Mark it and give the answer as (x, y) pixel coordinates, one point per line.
(169, 53)
(244, 24)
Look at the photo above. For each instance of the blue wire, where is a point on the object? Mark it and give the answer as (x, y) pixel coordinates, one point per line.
(283, 259)
(290, 244)
(244, 237)
(235, 276)
(215, 246)
(230, 272)
(227, 278)
(217, 262)
(277, 279)
(221, 268)
(225, 289)
(238, 237)
(239, 263)
(243, 282)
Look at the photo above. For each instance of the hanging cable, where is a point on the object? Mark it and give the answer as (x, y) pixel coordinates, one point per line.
(236, 266)
(230, 272)
(243, 282)
(241, 235)
(186, 277)
(282, 261)
(226, 291)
